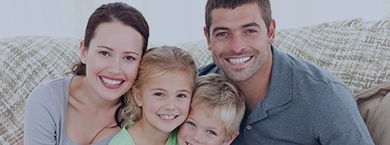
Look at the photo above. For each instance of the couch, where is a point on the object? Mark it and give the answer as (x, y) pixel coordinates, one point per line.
(355, 50)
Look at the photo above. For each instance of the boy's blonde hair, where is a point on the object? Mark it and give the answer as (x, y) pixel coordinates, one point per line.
(221, 99)
(156, 62)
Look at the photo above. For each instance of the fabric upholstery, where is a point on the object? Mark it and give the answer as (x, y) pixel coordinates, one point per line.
(356, 51)
(374, 106)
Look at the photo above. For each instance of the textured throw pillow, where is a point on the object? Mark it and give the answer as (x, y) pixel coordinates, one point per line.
(25, 62)
(199, 51)
(358, 52)
(374, 106)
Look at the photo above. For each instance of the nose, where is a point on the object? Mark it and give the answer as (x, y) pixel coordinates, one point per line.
(198, 136)
(237, 43)
(170, 104)
(114, 66)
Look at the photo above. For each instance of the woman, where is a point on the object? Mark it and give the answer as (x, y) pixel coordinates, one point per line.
(86, 108)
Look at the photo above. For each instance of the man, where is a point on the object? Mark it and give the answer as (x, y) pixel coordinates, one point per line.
(289, 100)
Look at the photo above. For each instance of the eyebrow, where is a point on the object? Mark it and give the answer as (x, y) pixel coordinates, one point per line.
(250, 25)
(162, 89)
(243, 26)
(111, 49)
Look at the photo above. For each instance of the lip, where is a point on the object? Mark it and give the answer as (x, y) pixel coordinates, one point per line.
(111, 83)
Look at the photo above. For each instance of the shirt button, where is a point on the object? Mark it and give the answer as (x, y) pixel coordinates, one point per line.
(249, 127)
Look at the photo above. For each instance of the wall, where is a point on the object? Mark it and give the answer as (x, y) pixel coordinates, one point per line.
(171, 21)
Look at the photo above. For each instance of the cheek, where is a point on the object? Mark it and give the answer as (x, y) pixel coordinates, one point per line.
(184, 130)
(185, 106)
(94, 67)
(131, 72)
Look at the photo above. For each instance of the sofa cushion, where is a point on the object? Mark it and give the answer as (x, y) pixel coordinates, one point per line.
(25, 62)
(356, 51)
(374, 106)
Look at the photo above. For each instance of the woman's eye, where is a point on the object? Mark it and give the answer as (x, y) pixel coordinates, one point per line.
(211, 132)
(129, 58)
(104, 53)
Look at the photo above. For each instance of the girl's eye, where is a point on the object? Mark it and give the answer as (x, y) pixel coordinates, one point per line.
(182, 96)
(104, 53)
(158, 94)
(211, 132)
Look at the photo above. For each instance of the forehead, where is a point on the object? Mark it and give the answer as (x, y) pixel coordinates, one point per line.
(245, 14)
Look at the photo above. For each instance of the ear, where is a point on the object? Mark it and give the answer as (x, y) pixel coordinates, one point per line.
(137, 96)
(272, 32)
(206, 34)
(230, 139)
(83, 52)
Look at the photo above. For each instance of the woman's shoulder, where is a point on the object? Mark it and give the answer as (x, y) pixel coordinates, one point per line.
(52, 89)
(61, 81)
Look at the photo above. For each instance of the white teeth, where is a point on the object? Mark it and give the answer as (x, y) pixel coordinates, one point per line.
(111, 82)
(239, 60)
(167, 116)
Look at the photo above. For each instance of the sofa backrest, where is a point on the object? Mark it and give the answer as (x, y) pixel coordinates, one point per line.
(356, 51)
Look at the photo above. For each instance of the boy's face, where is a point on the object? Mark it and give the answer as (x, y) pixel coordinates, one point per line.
(199, 129)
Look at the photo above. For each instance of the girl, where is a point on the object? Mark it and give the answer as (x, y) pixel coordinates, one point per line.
(160, 98)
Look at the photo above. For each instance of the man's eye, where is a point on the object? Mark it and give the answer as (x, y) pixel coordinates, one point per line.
(221, 34)
(251, 31)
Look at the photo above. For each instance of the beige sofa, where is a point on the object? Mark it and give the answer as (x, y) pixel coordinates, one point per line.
(355, 50)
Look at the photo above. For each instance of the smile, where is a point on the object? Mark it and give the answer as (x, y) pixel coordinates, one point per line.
(239, 60)
(111, 82)
(167, 117)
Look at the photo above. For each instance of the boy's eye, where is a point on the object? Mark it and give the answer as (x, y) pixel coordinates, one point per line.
(211, 132)
(191, 123)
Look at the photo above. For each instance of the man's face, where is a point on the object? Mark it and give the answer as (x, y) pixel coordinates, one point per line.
(239, 41)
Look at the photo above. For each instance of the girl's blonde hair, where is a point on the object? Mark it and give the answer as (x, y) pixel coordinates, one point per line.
(156, 62)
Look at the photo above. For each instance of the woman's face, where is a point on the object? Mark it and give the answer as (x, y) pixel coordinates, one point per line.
(112, 59)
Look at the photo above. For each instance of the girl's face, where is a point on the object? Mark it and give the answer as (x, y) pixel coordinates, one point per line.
(165, 100)
(112, 59)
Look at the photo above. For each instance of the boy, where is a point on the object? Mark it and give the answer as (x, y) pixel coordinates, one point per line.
(217, 109)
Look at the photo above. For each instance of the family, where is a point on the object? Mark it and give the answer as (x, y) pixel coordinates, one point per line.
(122, 93)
